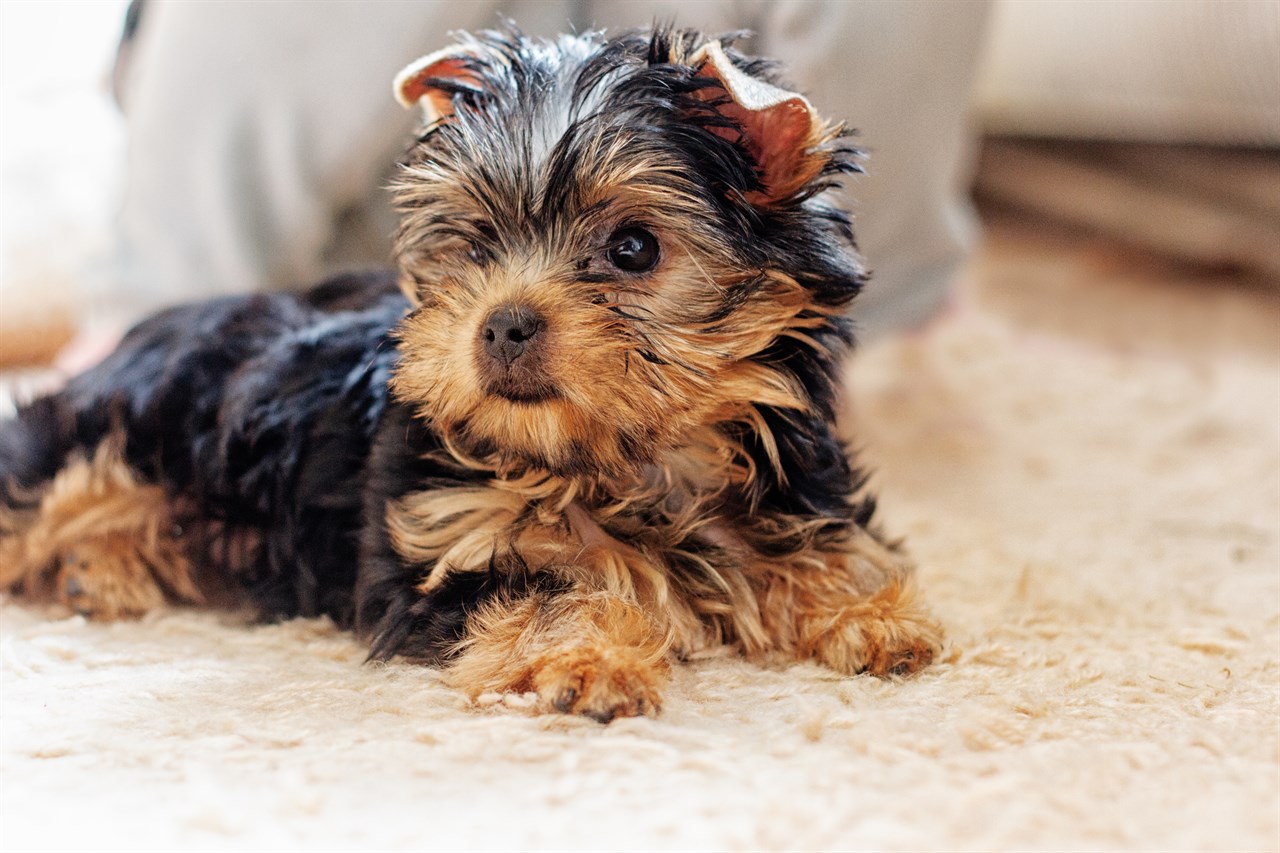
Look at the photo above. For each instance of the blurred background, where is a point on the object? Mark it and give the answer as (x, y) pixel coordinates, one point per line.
(1084, 131)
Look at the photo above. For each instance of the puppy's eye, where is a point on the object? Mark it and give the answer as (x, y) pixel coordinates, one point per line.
(478, 254)
(633, 249)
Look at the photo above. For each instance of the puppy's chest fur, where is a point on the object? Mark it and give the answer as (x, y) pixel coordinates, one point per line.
(658, 533)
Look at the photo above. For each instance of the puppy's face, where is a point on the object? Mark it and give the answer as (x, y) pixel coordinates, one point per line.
(604, 242)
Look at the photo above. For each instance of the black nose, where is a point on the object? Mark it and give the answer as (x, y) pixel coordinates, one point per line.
(508, 331)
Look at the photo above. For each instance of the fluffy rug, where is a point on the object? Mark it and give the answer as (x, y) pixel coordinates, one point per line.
(1084, 457)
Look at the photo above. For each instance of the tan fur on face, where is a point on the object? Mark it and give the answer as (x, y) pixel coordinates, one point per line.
(100, 541)
(628, 385)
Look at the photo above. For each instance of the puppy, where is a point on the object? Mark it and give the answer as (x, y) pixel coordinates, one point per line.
(584, 429)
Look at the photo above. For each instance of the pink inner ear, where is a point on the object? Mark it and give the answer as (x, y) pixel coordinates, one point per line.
(412, 84)
(777, 138)
(779, 127)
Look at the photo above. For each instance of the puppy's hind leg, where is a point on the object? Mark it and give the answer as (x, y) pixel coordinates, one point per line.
(96, 538)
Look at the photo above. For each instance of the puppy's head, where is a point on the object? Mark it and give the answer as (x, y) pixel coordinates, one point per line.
(612, 243)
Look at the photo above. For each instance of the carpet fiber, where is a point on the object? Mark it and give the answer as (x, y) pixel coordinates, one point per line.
(1084, 455)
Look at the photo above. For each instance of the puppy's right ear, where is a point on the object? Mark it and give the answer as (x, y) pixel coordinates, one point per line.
(437, 79)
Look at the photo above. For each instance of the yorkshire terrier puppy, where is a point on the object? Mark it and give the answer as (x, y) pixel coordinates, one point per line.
(585, 430)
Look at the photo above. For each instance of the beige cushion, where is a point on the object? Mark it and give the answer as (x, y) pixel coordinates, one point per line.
(1174, 71)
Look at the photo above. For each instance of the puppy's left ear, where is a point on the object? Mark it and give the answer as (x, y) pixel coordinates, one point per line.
(435, 80)
(780, 129)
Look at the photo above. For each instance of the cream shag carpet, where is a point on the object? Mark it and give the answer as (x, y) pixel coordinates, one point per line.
(1085, 457)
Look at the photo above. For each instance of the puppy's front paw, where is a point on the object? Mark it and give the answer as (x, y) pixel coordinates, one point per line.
(886, 634)
(600, 683)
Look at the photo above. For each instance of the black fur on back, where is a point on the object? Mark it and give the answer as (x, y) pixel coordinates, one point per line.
(256, 413)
